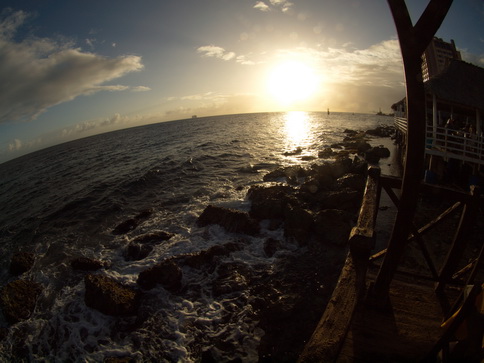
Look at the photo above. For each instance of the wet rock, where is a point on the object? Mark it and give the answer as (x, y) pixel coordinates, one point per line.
(18, 299)
(333, 225)
(322, 175)
(327, 173)
(351, 180)
(207, 257)
(154, 237)
(308, 158)
(21, 262)
(288, 172)
(119, 360)
(345, 199)
(374, 154)
(109, 296)
(126, 226)
(132, 223)
(3, 333)
(144, 214)
(271, 246)
(269, 202)
(358, 146)
(298, 223)
(326, 153)
(165, 273)
(87, 264)
(136, 251)
(230, 219)
(231, 278)
(141, 246)
(296, 151)
(350, 132)
(382, 131)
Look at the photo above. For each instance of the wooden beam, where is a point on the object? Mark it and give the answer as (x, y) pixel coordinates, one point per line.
(413, 41)
(460, 239)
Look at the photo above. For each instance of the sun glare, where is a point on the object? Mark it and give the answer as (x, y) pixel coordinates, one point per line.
(296, 128)
(291, 82)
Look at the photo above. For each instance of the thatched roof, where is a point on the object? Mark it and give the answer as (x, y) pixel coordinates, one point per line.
(461, 83)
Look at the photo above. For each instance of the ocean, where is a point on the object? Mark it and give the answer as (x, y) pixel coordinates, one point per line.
(64, 202)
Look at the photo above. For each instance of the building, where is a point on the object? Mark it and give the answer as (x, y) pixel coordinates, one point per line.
(455, 93)
(437, 56)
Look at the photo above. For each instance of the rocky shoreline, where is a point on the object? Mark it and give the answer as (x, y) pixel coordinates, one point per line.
(315, 206)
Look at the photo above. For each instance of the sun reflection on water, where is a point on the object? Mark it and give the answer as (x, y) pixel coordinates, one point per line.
(296, 128)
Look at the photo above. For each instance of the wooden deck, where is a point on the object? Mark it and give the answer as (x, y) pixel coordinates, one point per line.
(405, 330)
(404, 324)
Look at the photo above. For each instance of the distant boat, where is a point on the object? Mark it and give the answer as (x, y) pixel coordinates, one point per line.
(194, 116)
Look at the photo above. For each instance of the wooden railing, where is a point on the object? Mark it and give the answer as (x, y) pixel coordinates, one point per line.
(401, 124)
(455, 144)
(328, 337)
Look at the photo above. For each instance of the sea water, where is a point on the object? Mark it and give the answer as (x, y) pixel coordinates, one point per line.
(63, 202)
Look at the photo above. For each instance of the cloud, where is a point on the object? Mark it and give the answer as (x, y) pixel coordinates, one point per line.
(475, 59)
(140, 89)
(220, 53)
(262, 6)
(36, 74)
(216, 52)
(15, 145)
(282, 5)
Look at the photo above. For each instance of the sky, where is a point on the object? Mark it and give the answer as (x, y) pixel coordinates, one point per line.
(71, 68)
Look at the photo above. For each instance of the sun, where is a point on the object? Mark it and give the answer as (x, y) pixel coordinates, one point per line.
(291, 82)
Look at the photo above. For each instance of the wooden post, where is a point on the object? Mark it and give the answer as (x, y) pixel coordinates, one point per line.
(413, 41)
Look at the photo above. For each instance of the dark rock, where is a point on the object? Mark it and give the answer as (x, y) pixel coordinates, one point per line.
(326, 153)
(341, 167)
(136, 251)
(271, 246)
(109, 296)
(230, 219)
(18, 299)
(126, 226)
(87, 264)
(296, 151)
(310, 186)
(3, 333)
(142, 246)
(132, 223)
(154, 237)
(119, 360)
(207, 257)
(144, 214)
(346, 199)
(231, 278)
(323, 175)
(374, 154)
(269, 202)
(382, 131)
(333, 225)
(353, 181)
(350, 132)
(165, 273)
(288, 172)
(21, 262)
(298, 223)
(359, 146)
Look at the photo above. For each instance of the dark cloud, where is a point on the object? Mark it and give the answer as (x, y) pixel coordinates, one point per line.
(36, 74)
